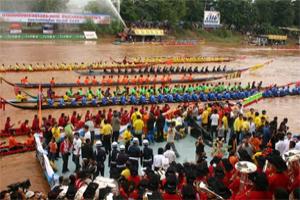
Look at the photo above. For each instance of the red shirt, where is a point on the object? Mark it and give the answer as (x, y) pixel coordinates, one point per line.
(135, 179)
(7, 126)
(24, 128)
(61, 121)
(73, 119)
(35, 124)
(266, 195)
(167, 196)
(278, 180)
(109, 116)
(79, 125)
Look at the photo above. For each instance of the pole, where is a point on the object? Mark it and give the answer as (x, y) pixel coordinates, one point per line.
(40, 106)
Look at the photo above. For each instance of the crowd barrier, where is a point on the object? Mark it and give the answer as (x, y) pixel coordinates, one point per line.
(41, 155)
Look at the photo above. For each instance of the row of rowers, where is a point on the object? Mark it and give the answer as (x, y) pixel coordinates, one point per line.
(147, 91)
(121, 79)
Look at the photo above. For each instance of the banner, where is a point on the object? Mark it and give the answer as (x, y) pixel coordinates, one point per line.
(211, 18)
(148, 31)
(52, 18)
(42, 37)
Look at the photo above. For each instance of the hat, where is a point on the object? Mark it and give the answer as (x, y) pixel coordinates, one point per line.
(277, 162)
(135, 140)
(145, 142)
(99, 143)
(122, 147)
(114, 144)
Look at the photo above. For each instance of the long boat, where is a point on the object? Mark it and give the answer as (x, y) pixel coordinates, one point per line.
(150, 70)
(62, 85)
(123, 64)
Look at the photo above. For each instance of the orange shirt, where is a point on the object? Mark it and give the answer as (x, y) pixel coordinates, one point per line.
(147, 79)
(154, 79)
(103, 81)
(12, 142)
(163, 79)
(29, 141)
(125, 80)
(183, 77)
(168, 78)
(52, 147)
(86, 81)
(119, 80)
(110, 80)
(24, 81)
(133, 80)
(141, 80)
(78, 81)
(94, 81)
(52, 82)
(190, 78)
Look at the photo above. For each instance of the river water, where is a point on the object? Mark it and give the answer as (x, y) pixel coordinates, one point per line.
(284, 69)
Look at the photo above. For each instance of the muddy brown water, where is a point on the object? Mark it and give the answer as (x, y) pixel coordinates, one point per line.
(284, 69)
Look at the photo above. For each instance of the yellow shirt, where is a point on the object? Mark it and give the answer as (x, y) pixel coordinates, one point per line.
(134, 116)
(209, 110)
(257, 122)
(238, 124)
(204, 117)
(55, 133)
(20, 97)
(107, 129)
(246, 126)
(138, 125)
(265, 116)
(66, 97)
(127, 135)
(225, 122)
(249, 114)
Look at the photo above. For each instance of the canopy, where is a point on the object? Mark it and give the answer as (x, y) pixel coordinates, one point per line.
(277, 37)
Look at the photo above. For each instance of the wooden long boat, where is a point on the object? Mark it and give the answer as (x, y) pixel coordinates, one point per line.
(68, 85)
(146, 70)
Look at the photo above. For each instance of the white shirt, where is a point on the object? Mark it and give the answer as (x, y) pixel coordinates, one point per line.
(77, 146)
(252, 127)
(287, 144)
(87, 135)
(280, 146)
(90, 124)
(214, 119)
(170, 155)
(157, 160)
(297, 147)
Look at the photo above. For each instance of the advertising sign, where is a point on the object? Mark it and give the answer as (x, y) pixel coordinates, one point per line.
(90, 35)
(52, 18)
(211, 18)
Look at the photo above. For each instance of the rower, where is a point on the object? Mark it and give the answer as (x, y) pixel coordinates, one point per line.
(219, 68)
(177, 70)
(110, 80)
(83, 100)
(152, 70)
(103, 82)
(87, 80)
(196, 69)
(132, 71)
(158, 70)
(224, 68)
(69, 92)
(214, 69)
(202, 70)
(24, 80)
(80, 92)
(52, 81)
(66, 97)
(190, 70)
(141, 79)
(78, 80)
(206, 69)
(134, 80)
(20, 97)
(94, 80)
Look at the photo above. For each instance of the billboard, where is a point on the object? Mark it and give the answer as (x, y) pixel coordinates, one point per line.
(52, 18)
(211, 18)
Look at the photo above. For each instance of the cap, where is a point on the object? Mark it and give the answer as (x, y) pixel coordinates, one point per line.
(122, 147)
(98, 143)
(145, 142)
(114, 144)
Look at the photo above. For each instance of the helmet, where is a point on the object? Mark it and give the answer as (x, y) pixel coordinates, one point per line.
(145, 142)
(114, 144)
(99, 143)
(135, 140)
(122, 147)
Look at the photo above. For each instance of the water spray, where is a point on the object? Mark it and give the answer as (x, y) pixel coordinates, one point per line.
(116, 12)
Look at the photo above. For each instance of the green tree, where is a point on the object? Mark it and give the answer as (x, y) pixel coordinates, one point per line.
(49, 5)
(283, 13)
(265, 9)
(296, 7)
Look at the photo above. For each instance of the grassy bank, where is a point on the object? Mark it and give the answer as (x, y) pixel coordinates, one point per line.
(213, 36)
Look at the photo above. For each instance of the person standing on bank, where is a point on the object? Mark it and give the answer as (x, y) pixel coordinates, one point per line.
(200, 153)
(160, 123)
(112, 160)
(76, 150)
(214, 123)
(134, 153)
(171, 138)
(138, 126)
(107, 132)
(147, 155)
(65, 148)
(122, 158)
(116, 123)
(100, 157)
